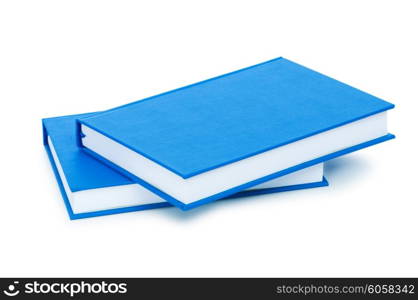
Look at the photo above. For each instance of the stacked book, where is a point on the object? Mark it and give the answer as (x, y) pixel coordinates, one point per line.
(267, 128)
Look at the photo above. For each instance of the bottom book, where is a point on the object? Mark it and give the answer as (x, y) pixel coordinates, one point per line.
(90, 188)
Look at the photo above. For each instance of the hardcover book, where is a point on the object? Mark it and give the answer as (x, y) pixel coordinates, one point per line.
(212, 139)
(90, 188)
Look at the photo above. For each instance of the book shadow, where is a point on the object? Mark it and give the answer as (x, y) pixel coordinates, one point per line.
(346, 170)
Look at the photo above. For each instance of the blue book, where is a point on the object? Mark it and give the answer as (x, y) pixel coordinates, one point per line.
(214, 138)
(90, 188)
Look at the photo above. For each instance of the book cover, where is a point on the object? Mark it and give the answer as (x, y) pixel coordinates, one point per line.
(214, 138)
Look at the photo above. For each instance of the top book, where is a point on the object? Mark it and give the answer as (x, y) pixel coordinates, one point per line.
(216, 137)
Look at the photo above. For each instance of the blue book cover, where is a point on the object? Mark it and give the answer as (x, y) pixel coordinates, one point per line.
(217, 137)
(90, 188)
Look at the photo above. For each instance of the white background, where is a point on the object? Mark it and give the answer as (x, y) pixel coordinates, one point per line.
(67, 57)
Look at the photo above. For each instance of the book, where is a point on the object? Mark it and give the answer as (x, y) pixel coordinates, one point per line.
(90, 188)
(212, 139)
